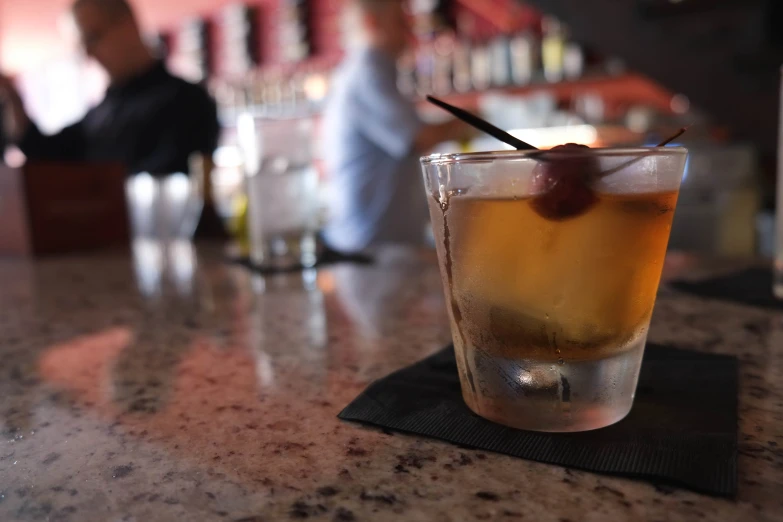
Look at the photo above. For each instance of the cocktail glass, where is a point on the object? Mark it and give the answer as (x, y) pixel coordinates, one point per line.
(550, 309)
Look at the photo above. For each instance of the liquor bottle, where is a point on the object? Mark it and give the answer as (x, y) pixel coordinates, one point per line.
(500, 61)
(406, 74)
(573, 60)
(480, 67)
(238, 224)
(552, 50)
(442, 77)
(524, 58)
(461, 66)
(425, 68)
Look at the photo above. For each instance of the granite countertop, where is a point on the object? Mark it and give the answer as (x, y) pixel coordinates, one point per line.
(173, 386)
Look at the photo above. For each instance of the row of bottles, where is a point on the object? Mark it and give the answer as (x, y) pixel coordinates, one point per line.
(443, 62)
(447, 63)
(271, 93)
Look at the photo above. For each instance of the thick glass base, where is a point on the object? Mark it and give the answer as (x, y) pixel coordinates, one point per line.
(284, 251)
(553, 397)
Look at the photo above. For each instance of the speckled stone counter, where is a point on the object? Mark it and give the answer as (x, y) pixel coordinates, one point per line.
(172, 386)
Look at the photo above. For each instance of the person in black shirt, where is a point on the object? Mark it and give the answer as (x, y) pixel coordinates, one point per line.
(2, 138)
(149, 120)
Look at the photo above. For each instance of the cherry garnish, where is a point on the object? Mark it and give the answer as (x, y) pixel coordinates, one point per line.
(565, 174)
(563, 182)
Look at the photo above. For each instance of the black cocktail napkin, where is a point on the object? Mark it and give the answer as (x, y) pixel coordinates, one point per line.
(682, 430)
(751, 287)
(325, 258)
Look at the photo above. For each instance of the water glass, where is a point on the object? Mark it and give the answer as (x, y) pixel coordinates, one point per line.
(282, 187)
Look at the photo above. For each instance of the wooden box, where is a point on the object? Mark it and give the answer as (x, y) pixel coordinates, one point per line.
(58, 208)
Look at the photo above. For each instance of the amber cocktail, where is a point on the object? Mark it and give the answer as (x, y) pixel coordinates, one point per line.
(550, 295)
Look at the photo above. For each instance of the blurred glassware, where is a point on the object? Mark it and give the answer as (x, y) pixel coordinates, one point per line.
(504, 110)
(282, 188)
(590, 106)
(719, 200)
(164, 268)
(514, 112)
(163, 207)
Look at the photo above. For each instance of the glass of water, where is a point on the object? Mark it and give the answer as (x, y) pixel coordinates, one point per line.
(282, 187)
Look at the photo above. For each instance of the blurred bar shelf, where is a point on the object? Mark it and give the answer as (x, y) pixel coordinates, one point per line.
(617, 91)
(623, 89)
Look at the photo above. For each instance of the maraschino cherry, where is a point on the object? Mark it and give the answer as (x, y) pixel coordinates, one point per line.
(563, 181)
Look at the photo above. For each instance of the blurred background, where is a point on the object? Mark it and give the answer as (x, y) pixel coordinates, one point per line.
(602, 73)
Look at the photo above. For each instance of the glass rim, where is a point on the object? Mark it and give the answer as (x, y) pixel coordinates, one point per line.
(471, 157)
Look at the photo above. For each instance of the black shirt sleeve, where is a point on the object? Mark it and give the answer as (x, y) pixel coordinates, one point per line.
(66, 145)
(205, 140)
(2, 138)
(190, 125)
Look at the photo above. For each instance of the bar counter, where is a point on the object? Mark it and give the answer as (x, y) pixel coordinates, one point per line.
(171, 385)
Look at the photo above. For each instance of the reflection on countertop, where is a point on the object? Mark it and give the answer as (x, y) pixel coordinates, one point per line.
(170, 384)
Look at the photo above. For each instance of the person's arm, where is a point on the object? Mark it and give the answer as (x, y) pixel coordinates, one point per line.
(390, 120)
(68, 144)
(431, 135)
(15, 119)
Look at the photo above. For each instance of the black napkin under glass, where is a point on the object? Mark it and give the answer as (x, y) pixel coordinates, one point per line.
(326, 257)
(682, 429)
(751, 287)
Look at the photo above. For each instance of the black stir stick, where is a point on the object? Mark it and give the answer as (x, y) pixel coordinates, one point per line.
(482, 125)
(518, 144)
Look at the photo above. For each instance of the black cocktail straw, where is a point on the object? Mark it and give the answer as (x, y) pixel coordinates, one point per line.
(482, 125)
(518, 144)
